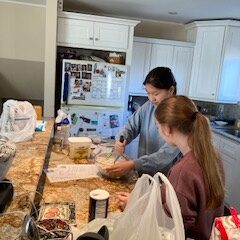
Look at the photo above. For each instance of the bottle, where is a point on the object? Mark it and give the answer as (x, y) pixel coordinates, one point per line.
(58, 140)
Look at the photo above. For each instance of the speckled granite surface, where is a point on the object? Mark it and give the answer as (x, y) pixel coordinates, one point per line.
(232, 137)
(28, 162)
(78, 190)
(24, 174)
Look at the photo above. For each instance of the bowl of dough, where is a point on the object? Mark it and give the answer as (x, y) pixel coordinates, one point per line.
(104, 160)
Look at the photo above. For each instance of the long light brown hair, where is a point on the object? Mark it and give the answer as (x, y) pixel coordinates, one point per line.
(180, 113)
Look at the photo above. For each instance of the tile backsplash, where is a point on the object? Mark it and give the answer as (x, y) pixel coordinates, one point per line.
(220, 110)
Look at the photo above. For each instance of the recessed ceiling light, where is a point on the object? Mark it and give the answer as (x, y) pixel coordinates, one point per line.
(173, 13)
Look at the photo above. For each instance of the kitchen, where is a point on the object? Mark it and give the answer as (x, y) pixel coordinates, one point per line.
(212, 108)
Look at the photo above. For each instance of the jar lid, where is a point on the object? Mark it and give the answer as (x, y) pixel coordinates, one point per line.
(99, 194)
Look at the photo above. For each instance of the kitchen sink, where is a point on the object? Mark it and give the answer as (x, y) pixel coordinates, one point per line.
(234, 132)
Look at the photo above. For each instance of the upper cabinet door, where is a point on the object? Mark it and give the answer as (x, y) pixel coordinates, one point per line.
(75, 32)
(139, 67)
(162, 56)
(101, 33)
(229, 90)
(182, 66)
(206, 64)
(111, 35)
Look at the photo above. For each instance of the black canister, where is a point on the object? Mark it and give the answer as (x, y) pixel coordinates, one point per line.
(98, 204)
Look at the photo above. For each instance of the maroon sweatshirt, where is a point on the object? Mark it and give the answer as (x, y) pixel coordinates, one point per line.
(187, 179)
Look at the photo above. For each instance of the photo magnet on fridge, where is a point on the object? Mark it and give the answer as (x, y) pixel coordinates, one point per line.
(114, 121)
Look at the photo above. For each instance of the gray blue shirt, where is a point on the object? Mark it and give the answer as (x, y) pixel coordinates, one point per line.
(154, 154)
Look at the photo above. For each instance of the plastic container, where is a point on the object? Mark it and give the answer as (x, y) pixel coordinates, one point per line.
(79, 147)
(58, 140)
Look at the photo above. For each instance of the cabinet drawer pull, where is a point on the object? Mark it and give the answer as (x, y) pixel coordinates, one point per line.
(91, 38)
(96, 39)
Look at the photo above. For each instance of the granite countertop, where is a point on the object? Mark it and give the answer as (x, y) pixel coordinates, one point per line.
(220, 131)
(78, 190)
(25, 173)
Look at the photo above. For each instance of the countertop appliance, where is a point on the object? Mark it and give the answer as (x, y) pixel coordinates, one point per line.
(6, 193)
(93, 94)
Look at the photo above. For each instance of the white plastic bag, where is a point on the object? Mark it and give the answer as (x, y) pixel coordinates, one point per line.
(144, 216)
(18, 120)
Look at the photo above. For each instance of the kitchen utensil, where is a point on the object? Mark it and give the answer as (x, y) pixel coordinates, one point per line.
(29, 229)
(103, 161)
(112, 151)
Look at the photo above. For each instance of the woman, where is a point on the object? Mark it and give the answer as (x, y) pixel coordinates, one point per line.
(153, 154)
(197, 177)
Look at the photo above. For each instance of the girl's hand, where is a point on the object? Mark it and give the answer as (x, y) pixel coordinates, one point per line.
(121, 168)
(120, 147)
(123, 199)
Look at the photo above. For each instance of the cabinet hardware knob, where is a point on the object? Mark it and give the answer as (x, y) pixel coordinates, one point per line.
(96, 39)
(91, 38)
(213, 94)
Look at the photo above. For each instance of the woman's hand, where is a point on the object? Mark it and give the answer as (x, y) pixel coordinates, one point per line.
(123, 199)
(121, 168)
(120, 147)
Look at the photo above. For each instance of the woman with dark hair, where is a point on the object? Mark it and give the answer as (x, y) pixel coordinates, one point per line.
(153, 154)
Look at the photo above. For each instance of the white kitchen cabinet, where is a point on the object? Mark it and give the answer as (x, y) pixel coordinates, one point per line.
(74, 32)
(150, 53)
(162, 55)
(141, 53)
(230, 151)
(94, 32)
(216, 62)
(182, 67)
(229, 89)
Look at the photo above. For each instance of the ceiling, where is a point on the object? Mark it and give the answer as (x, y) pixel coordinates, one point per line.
(177, 11)
(187, 10)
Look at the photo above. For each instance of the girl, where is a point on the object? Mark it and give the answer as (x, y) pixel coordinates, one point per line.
(153, 154)
(198, 176)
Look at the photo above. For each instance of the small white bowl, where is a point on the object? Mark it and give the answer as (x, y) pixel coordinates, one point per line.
(221, 123)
